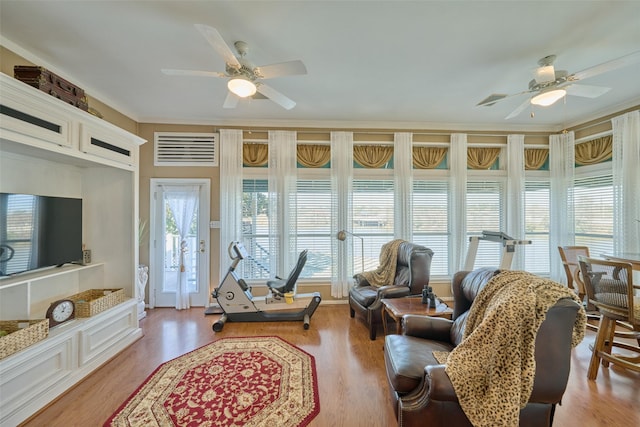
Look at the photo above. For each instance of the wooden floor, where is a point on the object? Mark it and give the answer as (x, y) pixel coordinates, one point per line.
(351, 376)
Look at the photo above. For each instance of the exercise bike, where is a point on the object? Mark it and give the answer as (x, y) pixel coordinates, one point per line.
(280, 304)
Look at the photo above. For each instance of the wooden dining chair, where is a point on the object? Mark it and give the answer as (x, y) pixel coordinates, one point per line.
(609, 287)
(569, 256)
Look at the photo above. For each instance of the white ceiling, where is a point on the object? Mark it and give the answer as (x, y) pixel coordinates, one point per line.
(400, 64)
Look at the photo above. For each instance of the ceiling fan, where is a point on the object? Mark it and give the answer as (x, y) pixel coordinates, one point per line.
(550, 85)
(244, 78)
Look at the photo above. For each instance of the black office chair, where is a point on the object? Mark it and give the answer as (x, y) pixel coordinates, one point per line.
(280, 286)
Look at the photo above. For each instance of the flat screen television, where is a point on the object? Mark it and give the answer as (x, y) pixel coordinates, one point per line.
(38, 231)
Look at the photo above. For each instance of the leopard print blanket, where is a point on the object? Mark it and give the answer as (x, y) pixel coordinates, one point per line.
(493, 368)
(386, 271)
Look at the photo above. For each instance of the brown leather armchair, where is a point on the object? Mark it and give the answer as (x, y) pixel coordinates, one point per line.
(421, 389)
(412, 275)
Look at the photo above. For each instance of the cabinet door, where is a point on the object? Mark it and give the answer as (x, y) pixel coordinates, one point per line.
(31, 379)
(24, 121)
(108, 145)
(103, 339)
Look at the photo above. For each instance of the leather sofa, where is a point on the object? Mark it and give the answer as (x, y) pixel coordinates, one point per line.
(421, 389)
(412, 275)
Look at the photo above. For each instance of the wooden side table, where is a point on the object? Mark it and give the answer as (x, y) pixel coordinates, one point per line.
(398, 307)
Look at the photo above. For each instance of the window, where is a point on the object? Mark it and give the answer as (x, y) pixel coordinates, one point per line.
(372, 218)
(314, 226)
(431, 221)
(19, 230)
(255, 229)
(485, 211)
(536, 224)
(593, 210)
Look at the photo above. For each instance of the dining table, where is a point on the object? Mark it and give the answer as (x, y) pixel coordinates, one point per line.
(629, 257)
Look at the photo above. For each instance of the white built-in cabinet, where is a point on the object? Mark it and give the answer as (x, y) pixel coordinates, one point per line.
(51, 148)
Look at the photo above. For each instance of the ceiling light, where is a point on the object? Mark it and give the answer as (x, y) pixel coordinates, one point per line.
(242, 87)
(548, 98)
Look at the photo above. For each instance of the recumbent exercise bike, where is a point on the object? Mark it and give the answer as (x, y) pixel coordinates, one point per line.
(239, 305)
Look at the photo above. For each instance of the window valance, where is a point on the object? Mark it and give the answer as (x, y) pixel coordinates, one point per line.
(313, 155)
(372, 156)
(255, 155)
(481, 157)
(534, 158)
(595, 151)
(428, 157)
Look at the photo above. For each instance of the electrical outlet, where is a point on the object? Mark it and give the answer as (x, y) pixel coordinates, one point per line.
(214, 224)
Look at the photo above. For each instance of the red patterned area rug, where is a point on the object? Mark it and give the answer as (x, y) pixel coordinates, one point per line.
(246, 381)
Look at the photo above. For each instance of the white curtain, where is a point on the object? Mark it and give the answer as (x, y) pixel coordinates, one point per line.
(230, 193)
(561, 221)
(403, 185)
(182, 201)
(282, 201)
(458, 202)
(341, 210)
(626, 182)
(515, 195)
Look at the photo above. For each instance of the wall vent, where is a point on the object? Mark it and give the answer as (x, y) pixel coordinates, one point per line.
(185, 149)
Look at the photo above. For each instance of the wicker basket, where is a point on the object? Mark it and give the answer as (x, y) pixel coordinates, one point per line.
(94, 301)
(22, 334)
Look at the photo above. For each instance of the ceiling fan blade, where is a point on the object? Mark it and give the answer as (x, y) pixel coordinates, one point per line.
(492, 99)
(518, 110)
(497, 97)
(197, 73)
(231, 101)
(630, 59)
(219, 45)
(587, 91)
(290, 68)
(276, 96)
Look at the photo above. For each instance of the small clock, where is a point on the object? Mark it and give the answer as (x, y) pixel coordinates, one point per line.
(60, 311)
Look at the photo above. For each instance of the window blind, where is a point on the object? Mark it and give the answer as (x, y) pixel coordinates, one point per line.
(431, 221)
(593, 210)
(373, 217)
(255, 230)
(314, 226)
(536, 224)
(485, 211)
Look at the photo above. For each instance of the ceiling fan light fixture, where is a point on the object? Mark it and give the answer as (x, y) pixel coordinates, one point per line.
(550, 97)
(242, 87)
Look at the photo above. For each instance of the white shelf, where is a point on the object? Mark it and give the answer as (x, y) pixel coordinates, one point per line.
(32, 377)
(73, 154)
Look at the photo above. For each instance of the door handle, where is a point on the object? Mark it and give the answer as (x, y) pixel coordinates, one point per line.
(202, 246)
